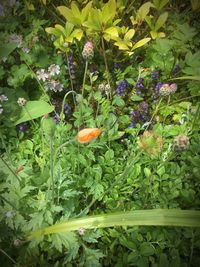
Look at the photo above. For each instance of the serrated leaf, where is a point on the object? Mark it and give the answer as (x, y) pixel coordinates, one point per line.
(34, 110)
(141, 43)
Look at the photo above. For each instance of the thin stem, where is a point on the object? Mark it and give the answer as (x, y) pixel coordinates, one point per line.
(196, 117)
(63, 103)
(70, 77)
(106, 65)
(6, 254)
(52, 168)
(84, 77)
(11, 170)
(191, 248)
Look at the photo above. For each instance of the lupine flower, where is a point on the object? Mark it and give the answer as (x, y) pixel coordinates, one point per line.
(131, 125)
(173, 87)
(180, 142)
(155, 75)
(3, 98)
(88, 51)
(121, 88)
(165, 89)
(67, 109)
(176, 69)
(88, 134)
(156, 90)
(42, 75)
(21, 101)
(71, 64)
(139, 86)
(22, 127)
(56, 119)
(53, 69)
(16, 39)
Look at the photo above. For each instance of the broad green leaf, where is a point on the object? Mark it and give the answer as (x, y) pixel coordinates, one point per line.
(143, 11)
(33, 110)
(141, 43)
(78, 34)
(159, 4)
(154, 34)
(6, 49)
(60, 28)
(85, 12)
(121, 45)
(136, 98)
(68, 15)
(129, 35)
(112, 31)
(53, 31)
(76, 12)
(161, 217)
(161, 21)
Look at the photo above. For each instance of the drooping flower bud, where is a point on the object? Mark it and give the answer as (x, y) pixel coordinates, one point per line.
(88, 134)
(88, 51)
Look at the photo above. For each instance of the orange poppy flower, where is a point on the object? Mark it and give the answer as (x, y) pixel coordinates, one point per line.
(88, 134)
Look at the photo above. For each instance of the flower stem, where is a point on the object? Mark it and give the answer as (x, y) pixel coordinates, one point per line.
(52, 168)
(84, 77)
(70, 77)
(63, 104)
(106, 65)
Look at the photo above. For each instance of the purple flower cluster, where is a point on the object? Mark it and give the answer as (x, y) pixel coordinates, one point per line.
(22, 127)
(155, 75)
(176, 69)
(121, 88)
(156, 90)
(139, 115)
(67, 109)
(139, 86)
(71, 64)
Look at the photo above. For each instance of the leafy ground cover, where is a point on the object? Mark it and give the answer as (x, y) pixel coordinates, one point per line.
(99, 129)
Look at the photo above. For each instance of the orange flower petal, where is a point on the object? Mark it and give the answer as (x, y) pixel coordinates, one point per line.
(88, 134)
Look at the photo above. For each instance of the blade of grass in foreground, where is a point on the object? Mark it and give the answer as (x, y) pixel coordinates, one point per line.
(161, 217)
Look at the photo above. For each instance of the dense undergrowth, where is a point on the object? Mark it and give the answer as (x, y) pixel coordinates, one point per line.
(99, 113)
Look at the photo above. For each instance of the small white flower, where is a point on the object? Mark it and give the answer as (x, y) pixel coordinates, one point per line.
(25, 50)
(16, 39)
(21, 101)
(42, 75)
(81, 231)
(3, 98)
(54, 86)
(54, 69)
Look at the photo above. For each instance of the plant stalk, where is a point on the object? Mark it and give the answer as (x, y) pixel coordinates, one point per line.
(84, 78)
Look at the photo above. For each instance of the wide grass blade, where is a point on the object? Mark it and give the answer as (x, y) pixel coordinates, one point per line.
(161, 217)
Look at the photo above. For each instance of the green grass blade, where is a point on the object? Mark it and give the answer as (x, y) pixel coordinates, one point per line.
(195, 78)
(161, 217)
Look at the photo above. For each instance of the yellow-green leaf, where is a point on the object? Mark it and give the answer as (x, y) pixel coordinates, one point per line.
(129, 34)
(78, 34)
(141, 43)
(154, 34)
(161, 21)
(112, 31)
(121, 45)
(143, 11)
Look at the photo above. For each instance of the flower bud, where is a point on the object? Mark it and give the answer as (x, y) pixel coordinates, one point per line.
(88, 51)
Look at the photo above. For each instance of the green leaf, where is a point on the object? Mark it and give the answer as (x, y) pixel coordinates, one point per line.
(143, 11)
(161, 217)
(112, 31)
(136, 98)
(33, 110)
(161, 21)
(195, 78)
(6, 50)
(141, 43)
(129, 35)
(147, 172)
(146, 249)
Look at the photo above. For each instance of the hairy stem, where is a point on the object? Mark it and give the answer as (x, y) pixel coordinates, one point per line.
(84, 77)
